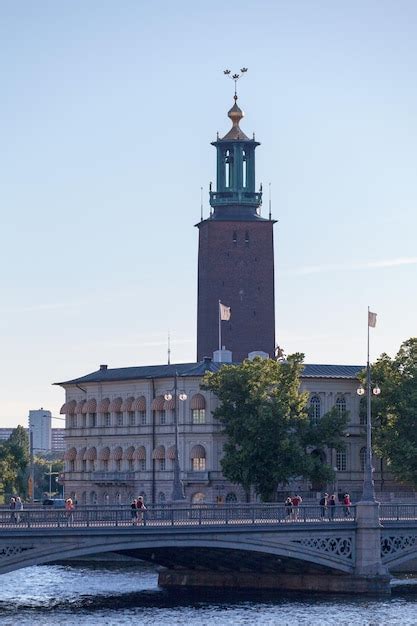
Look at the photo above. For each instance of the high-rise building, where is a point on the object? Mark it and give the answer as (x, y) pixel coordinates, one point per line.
(236, 255)
(40, 430)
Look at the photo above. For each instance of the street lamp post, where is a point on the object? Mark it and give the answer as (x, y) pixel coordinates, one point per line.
(368, 492)
(177, 487)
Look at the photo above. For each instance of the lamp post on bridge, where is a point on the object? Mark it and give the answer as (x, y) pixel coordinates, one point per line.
(368, 492)
(177, 486)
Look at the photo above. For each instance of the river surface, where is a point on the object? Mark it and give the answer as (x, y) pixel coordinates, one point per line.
(126, 593)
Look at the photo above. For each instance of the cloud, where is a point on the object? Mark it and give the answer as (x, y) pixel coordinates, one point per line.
(321, 269)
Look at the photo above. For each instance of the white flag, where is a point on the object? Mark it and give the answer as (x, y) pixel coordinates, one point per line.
(371, 319)
(224, 312)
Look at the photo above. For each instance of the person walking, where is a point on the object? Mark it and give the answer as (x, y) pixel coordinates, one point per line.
(323, 505)
(141, 508)
(346, 504)
(332, 505)
(296, 501)
(12, 507)
(288, 508)
(133, 511)
(18, 508)
(69, 507)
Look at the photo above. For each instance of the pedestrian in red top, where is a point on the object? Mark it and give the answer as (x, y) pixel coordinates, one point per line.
(346, 504)
(296, 501)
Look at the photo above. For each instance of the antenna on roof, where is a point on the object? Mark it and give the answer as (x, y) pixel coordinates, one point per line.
(270, 202)
(201, 202)
(169, 349)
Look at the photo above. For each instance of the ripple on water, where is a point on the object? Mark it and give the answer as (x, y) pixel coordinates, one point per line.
(108, 594)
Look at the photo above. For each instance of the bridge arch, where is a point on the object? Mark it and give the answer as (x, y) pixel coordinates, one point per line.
(249, 550)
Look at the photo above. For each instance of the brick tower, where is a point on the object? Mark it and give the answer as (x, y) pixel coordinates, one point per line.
(236, 255)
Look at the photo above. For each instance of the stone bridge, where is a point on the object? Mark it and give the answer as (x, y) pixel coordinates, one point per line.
(258, 546)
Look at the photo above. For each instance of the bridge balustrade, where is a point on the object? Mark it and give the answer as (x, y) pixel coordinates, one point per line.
(397, 512)
(171, 515)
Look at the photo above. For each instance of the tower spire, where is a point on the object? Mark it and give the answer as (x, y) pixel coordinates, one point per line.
(235, 77)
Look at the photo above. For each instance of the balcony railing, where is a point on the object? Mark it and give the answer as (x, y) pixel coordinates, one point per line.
(108, 477)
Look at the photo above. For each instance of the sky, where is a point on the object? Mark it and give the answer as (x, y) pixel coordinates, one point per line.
(106, 118)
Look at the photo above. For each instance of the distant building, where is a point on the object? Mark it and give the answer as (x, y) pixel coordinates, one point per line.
(40, 428)
(57, 440)
(5, 433)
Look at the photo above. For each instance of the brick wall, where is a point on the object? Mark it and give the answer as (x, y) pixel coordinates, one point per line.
(236, 266)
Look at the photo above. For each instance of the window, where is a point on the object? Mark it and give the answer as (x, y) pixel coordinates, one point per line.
(198, 416)
(84, 466)
(198, 465)
(362, 455)
(132, 418)
(93, 497)
(341, 461)
(142, 416)
(231, 497)
(118, 465)
(234, 236)
(341, 405)
(91, 466)
(93, 419)
(162, 417)
(162, 465)
(107, 421)
(142, 465)
(119, 419)
(315, 408)
(106, 465)
(130, 465)
(84, 420)
(72, 466)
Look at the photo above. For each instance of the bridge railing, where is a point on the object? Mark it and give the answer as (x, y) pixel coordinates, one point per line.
(244, 514)
(396, 512)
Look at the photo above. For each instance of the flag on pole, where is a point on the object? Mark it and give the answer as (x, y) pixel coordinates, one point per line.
(371, 319)
(225, 312)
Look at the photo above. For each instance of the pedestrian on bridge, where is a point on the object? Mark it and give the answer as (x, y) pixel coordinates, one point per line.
(19, 509)
(141, 508)
(69, 507)
(346, 504)
(133, 511)
(296, 501)
(288, 507)
(332, 505)
(323, 505)
(12, 506)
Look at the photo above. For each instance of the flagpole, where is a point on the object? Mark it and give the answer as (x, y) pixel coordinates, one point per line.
(368, 483)
(220, 329)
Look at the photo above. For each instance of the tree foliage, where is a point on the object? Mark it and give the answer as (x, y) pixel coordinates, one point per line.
(394, 411)
(269, 432)
(14, 459)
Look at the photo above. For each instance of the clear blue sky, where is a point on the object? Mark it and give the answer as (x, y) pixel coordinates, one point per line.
(106, 117)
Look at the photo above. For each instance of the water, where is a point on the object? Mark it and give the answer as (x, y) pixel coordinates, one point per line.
(110, 594)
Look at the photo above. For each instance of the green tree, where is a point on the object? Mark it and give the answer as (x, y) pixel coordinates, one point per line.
(14, 459)
(42, 467)
(269, 432)
(394, 411)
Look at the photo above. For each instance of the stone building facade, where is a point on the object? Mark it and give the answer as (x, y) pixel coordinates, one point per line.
(121, 430)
